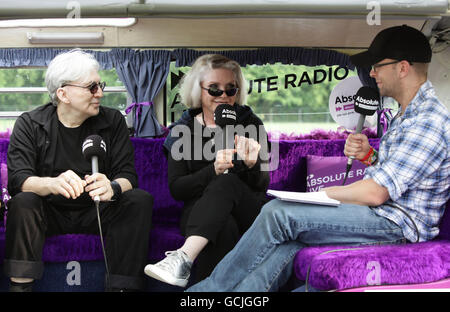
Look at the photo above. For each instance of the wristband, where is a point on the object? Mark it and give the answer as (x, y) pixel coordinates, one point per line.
(367, 155)
(117, 190)
(370, 158)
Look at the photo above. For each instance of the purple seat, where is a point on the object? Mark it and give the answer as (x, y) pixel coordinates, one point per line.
(151, 167)
(327, 270)
(345, 267)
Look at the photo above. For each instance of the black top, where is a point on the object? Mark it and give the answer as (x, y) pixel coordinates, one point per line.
(189, 177)
(70, 155)
(37, 145)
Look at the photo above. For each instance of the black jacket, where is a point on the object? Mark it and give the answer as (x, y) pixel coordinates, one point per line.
(188, 178)
(32, 146)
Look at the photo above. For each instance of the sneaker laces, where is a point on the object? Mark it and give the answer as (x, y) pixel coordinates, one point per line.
(172, 261)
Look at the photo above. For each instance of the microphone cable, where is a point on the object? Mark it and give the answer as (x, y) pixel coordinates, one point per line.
(97, 207)
(347, 170)
(396, 206)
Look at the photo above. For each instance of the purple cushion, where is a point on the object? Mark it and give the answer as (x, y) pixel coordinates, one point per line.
(162, 239)
(289, 173)
(342, 267)
(83, 247)
(151, 167)
(325, 171)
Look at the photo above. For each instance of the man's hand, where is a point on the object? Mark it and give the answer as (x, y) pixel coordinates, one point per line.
(67, 184)
(99, 184)
(356, 145)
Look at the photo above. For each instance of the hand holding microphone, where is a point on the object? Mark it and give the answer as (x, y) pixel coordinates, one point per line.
(357, 144)
(366, 104)
(225, 118)
(98, 185)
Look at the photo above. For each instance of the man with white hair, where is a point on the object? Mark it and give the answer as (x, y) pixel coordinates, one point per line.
(52, 185)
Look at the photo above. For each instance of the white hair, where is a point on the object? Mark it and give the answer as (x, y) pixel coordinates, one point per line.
(190, 90)
(67, 67)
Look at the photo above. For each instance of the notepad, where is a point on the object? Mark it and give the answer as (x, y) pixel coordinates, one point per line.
(318, 198)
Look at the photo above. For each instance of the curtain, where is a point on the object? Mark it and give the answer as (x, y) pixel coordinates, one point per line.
(143, 73)
(297, 56)
(43, 56)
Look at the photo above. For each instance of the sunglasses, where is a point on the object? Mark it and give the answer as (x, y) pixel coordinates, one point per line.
(376, 66)
(93, 87)
(214, 91)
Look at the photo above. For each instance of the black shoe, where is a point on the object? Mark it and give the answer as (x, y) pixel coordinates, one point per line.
(21, 287)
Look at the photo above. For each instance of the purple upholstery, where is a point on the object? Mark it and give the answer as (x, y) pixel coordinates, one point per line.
(335, 270)
(342, 267)
(151, 166)
(291, 172)
(326, 171)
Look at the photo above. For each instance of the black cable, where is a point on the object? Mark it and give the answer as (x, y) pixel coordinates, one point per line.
(97, 204)
(393, 205)
(349, 166)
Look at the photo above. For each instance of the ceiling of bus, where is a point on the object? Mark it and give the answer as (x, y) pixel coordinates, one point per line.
(139, 8)
(338, 24)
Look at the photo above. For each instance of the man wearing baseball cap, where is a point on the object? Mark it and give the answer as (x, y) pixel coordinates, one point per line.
(399, 58)
(396, 43)
(401, 198)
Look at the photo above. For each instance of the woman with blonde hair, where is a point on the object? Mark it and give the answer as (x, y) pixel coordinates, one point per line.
(221, 197)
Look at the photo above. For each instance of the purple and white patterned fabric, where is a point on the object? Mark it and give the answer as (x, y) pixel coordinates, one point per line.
(328, 171)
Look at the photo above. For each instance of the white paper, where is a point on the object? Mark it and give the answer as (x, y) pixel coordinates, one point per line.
(319, 198)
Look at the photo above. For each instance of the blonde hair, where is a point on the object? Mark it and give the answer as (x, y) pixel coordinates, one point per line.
(190, 90)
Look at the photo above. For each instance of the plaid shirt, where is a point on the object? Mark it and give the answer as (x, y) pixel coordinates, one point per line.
(414, 165)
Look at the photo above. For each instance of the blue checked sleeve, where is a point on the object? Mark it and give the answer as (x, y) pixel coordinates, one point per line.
(417, 149)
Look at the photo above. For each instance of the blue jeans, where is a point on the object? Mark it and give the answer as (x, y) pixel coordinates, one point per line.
(263, 258)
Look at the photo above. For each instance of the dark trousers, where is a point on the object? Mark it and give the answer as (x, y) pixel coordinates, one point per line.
(125, 224)
(222, 214)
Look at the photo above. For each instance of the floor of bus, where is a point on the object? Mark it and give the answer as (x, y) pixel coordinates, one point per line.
(58, 278)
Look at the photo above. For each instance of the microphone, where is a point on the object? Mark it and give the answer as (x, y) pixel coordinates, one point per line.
(367, 101)
(225, 118)
(94, 148)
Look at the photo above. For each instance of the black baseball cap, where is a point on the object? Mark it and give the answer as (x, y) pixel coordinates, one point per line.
(398, 43)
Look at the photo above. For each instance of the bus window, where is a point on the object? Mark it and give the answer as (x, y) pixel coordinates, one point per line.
(287, 98)
(22, 89)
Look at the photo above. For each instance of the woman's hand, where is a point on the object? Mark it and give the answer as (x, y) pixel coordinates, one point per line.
(224, 160)
(356, 145)
(99, 184)
(247, 149)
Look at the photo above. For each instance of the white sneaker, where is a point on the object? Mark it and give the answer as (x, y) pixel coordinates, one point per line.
(174, 269)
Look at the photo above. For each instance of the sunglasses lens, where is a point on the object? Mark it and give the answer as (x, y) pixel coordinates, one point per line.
(231, 92)
(93, 88)
(215, 92)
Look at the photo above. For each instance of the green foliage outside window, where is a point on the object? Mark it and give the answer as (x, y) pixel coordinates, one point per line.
(35, 77)
(288, 98)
